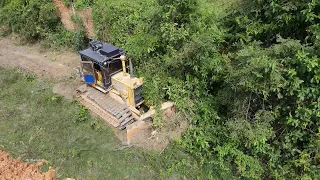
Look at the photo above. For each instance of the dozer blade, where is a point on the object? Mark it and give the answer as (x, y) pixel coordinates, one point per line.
(115, 113)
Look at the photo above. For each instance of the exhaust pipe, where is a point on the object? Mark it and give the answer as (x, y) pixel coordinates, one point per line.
(131, 68)
(123, 60)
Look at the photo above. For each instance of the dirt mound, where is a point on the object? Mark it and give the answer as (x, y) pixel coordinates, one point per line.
(16, 169)
(65, 13)
(159, 139)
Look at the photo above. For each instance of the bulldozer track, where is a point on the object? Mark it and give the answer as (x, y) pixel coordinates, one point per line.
(115, 113)
(97, 110)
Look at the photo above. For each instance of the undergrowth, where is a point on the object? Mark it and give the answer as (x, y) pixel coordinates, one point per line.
(37, 20)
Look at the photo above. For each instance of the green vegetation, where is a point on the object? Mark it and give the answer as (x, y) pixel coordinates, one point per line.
(246, 73)
(79, 3)
(37, 20)
(36, 124)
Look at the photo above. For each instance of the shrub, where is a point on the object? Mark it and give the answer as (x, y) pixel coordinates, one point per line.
(37, 20)
(32, 19)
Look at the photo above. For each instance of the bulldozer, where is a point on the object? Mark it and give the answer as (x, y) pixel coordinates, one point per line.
(110, 89)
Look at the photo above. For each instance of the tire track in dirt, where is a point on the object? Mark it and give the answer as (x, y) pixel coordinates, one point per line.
(31, 60)
(59, 66)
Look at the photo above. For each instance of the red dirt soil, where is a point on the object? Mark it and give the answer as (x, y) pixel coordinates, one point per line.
(11, 169)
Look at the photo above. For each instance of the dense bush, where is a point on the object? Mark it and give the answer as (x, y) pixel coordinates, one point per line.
(79, 3)
(37, 20)
(31, 18)
(248, 79)
(3, 3)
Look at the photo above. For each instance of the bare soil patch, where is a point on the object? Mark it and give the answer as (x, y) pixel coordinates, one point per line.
(159, 139)
(16, 169)
(65, 13)
(58, 65)
(66, 89)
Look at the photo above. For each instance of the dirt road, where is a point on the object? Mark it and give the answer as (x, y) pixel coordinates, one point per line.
(51, 64)
(59, 66)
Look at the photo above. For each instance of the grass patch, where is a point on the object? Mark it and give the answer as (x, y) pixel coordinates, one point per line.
(37, 124)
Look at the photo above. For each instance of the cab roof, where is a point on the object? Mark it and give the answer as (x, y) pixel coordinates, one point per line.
(101, 52)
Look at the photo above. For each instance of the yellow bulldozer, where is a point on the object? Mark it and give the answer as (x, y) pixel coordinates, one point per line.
(110, 91)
